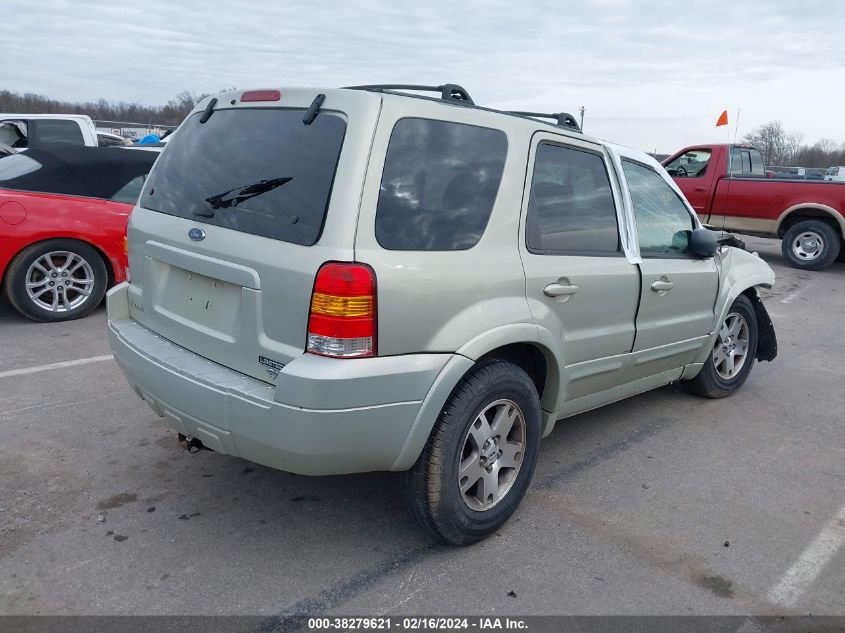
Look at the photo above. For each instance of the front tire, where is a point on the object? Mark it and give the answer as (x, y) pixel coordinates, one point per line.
(734, 350)
(480, 456)
(56, 280)
(811, 245)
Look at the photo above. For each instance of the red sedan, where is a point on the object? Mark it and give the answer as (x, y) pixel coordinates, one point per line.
(63, 215)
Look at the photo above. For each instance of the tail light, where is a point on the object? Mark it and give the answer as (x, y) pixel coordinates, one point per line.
(342, 322)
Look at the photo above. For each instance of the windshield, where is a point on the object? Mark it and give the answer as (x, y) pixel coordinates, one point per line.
(259, 171)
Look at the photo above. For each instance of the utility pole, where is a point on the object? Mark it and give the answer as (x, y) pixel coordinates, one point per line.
(581, 110)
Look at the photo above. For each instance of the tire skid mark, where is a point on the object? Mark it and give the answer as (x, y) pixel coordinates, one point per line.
(346, 590)
(606, 453)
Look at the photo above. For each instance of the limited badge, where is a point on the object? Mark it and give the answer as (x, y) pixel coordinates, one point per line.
(273, 366)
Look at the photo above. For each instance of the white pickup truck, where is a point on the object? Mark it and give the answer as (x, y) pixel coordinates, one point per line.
(22, 131)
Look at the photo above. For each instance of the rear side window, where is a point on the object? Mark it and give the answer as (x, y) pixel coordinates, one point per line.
(259, 171)
(49, 131)
(571, 207)
(746, 162)
(439, 185)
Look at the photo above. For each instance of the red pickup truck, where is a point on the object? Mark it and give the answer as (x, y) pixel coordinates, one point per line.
(809, 216)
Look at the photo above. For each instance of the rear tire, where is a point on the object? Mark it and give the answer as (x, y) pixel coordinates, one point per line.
(732, 357)
(480, 456)
(56, 280)
(811, 245)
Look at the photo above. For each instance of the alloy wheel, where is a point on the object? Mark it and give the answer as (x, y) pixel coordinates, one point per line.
(731, 348)
(492, 454)
(59, 281)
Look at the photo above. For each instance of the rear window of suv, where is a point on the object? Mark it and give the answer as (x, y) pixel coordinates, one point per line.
(258, 171)
(439, 184)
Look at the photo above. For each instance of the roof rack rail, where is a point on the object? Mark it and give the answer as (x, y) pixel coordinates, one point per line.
(561, 118)
(448, 92)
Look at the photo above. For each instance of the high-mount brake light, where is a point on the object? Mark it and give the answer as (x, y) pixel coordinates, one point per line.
(342, 320)
(261, 95)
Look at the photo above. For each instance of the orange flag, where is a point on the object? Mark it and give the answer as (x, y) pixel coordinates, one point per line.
(723, 119)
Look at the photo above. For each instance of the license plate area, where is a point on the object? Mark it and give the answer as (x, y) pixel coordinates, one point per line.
(196, 300)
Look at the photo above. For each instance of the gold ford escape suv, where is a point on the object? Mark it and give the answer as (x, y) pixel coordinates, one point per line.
(347, 280)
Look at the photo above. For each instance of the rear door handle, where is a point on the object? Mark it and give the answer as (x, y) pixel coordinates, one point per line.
(662, 286)
(560, 290)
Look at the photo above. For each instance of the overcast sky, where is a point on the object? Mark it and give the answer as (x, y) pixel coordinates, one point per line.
(653, 75)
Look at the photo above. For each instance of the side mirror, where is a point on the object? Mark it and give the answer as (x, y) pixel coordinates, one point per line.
(703, 243)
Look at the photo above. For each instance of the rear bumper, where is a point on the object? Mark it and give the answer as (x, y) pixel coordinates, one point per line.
(388, 404)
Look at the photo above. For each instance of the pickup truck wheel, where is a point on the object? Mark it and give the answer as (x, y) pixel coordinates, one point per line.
(56, 280)
(811, 245)
(480, 457)
(734, 350)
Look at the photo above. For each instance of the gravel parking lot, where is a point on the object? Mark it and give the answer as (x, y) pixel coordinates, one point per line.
(662, 504)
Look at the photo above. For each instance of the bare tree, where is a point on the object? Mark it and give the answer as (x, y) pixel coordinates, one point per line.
(171, 113)
(791, 147)
(780, 148)
(770, 139)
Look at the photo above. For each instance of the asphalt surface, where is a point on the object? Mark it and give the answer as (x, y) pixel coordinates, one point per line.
(662, 504)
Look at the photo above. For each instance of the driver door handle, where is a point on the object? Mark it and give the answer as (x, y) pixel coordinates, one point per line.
(662, 285)
(559, 290)
(701, 189)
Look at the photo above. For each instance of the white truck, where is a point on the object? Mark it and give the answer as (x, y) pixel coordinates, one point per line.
(22, 131)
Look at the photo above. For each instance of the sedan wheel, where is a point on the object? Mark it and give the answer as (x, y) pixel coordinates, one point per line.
(56, 280)
(59, 281)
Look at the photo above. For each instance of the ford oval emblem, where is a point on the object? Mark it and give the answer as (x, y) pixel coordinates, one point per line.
(196, 234)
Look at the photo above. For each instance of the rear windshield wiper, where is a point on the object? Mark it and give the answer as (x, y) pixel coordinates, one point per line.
(220, 201)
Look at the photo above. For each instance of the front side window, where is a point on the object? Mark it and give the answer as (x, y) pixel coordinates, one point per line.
(691, 164)
(439, 185)
(254, 170)
(663, 222)
(571, 207)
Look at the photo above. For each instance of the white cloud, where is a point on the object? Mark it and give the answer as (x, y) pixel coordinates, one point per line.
(654, 75)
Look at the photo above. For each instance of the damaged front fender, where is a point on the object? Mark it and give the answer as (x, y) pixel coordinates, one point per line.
(741, 272)
(767, 342)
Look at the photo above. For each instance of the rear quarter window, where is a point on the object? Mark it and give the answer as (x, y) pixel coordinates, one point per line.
(15, 166)
(439, 185)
